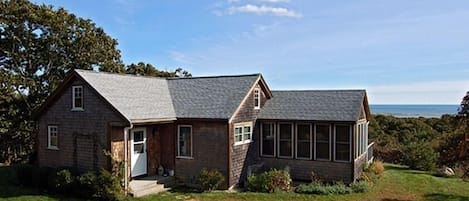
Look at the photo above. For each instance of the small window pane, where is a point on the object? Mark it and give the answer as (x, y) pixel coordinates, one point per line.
(304, 150)
(342, 152)
(322, 132)
(138, 148)
(304, 132)
(138, 136)
(285, 131)
(285, 148)
(342, 134)
(322, 151)
(185, 141)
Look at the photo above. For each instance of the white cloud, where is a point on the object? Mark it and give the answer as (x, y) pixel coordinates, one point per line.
(263, 10)
(233, 1)
(275, 1)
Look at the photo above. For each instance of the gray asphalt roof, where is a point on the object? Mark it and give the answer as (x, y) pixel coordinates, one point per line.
(136, 97)
(319, 105)
(141, 98)
(209, 97)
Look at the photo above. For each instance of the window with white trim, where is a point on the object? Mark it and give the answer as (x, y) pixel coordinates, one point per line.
(257, 99)
(323, 143)
(342, 142)
(285, 132)
(303, 141)
(77, 97)
(184, 141)
(52, 137)
(361, 142)
(243, 133)
(268, 139)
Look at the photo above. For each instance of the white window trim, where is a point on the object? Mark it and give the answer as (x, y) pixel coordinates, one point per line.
(73, 98)
(262, 140)
(292, 140)
(192, 147)
(315, 143)
(49, 146)
(310, 141)
(258, 98)
(242, 125)
(350, 142)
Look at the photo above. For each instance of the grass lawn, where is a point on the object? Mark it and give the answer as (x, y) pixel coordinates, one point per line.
(397, 184)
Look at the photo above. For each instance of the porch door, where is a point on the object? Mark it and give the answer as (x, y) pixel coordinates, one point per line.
(138, 148)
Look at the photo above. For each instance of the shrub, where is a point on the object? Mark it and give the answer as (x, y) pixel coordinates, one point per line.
(322, 189)
(64, 181)
(420, 156)
(107, 186)
(270, 181)
(210, 180)
(377, 168)
(369, 177)
(360, 186)
(86, 185)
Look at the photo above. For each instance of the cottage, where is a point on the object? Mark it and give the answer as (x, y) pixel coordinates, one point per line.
(228, 123)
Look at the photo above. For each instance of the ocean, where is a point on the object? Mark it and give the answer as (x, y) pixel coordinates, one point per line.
(414, 110)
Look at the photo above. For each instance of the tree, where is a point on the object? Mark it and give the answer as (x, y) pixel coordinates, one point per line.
(149, 70)
(38, 46)
(464, 145)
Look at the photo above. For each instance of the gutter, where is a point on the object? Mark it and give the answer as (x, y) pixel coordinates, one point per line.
(126, 172)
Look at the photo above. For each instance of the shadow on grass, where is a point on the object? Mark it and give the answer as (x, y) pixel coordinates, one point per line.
(388, 199)
(445, 197)
(406, 169)
(184, 190)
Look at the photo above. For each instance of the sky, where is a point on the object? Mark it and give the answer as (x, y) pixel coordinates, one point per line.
(400, 51)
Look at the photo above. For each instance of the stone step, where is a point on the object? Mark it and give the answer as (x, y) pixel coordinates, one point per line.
(150, 185)
(147, 190)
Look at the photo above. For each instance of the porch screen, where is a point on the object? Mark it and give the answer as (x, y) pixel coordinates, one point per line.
(323, 142)
(268, 139)
(342, 143)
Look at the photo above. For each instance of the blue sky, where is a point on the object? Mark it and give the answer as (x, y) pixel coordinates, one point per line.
(400, 51)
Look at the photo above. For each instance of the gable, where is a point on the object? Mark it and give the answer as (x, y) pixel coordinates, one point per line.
(59, 104)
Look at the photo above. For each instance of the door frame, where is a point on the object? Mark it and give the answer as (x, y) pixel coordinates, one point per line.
(144, 163)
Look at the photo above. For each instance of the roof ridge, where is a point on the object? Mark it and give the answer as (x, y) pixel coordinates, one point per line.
(215, 76)
(119, 74)
(318, 90)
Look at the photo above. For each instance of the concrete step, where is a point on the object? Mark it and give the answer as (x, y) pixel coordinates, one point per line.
(150, 185)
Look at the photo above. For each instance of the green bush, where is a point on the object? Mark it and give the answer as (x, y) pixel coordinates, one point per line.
(339, 188)
(108, 186)
(86, 185)
(360, 187)
(322, 189)
(270, 181)
(210, 180)
(420, 156)
(64, 181)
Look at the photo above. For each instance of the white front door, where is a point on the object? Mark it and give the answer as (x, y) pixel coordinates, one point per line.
(138, 149)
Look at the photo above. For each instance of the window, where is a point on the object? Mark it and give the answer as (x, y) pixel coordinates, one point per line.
(322, 134)
(77, 98)
(342, 143)
(268, 139)
(243, 133)
(257, 99)
(52, 137)
(185, 141)
(285, 140)
(303, 141)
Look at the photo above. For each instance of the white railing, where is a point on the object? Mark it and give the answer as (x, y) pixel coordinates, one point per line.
(369, 153)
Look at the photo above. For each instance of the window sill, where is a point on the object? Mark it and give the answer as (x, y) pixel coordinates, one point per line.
(268, 156)
(185, 157)
(244, 142)
(53, 148)
(323, 159)
(303, 159)
(341, 161)
(77, 110)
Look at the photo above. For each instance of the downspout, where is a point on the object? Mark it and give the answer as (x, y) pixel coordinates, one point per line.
(126, 172)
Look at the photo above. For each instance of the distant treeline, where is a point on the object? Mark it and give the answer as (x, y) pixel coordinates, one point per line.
(421, 143)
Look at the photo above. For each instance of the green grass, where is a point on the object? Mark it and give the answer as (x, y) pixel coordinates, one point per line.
(397, 184)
